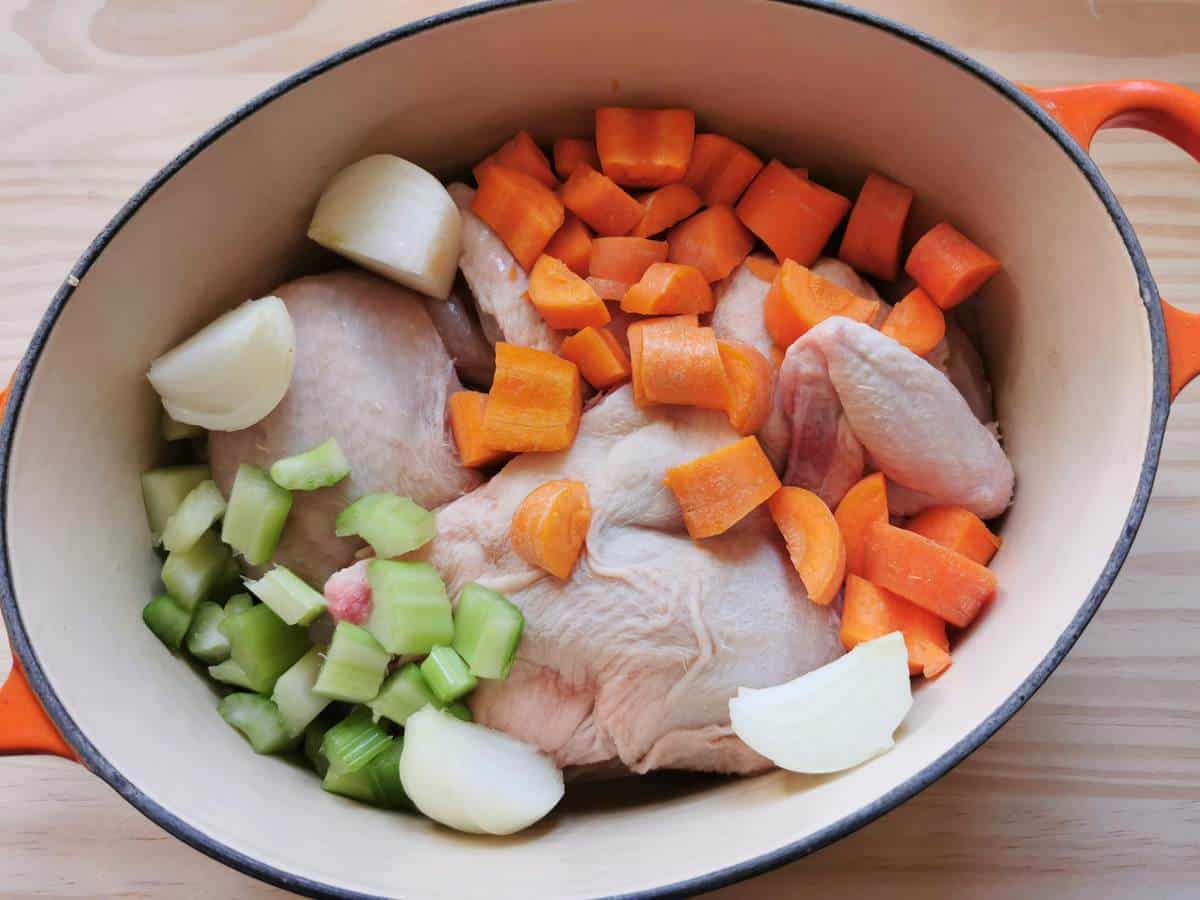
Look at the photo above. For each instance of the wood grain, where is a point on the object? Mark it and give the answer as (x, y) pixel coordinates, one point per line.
(1091, 791)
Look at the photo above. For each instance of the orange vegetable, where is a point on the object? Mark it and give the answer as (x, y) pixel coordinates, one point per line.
(861, 507)
(960, 530)
(713, 240)
(571, 153)
(597, 200)
(763, 268)
(669, 289)
(523, 212)
(523, 154)
(751, 385)
(563, 299)
(664, 207)
(625, 258)
(599, 356)
(800, 299)
(535, 401)
(634, 335)
(607, 289)
(644, 147)
(801, 171)
(916, 322)
(466, 423)
(792, 215)
(870, 612)
(813, 541)
(871, 243)
(718, 490)
(551, 525)
(572, 244)
(720, 169)
(680, 366)
(934, 577)
(948, 266)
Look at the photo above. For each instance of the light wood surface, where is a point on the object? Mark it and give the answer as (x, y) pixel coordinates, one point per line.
(1093, 790)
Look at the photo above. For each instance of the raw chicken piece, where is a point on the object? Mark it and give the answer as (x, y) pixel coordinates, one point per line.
(498, 283)
(461, 333)
(371, 371)
(738, 315)
(843, 275)
(964, 368)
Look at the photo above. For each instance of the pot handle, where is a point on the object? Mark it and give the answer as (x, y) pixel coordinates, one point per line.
(1171, 112)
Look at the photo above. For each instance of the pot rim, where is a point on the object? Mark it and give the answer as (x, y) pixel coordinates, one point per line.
(161, 816)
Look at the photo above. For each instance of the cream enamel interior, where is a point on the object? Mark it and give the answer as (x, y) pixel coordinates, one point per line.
(1067, 341)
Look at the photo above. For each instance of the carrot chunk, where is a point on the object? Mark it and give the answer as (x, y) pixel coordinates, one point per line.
(572, 243)
(916, 322)
(813, 540)
(871, 243)
(948, 266)
(669, 289)
(550, 526)
(664, 207)
(523, 154)
(522, 211)
(644, 147)
(466, 424)
(679, 364)
(800, 299)
(719, 489)
(625, 259)
(720, 169)
(960, 530)
(792, 215)
(599, 356)
(870, 612)
(535, 401)
(861, 507)
(751, 384)
(607, 289)
(571, 153)
(934, 577)
(634, 335)
(563, 299)
(597, 199)
(713, 240)
(762, 267)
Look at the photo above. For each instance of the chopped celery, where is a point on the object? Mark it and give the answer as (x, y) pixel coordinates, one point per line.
(263, 645)
(191, 575)
(487, 630)
(164, 489)
(238, 603)
(204, 639)
(356, 785)
(460, 710)
(384, 774)
(291, 598)
(314, 735)
(319, 467)
(447, 675)
(258, 509)
(230, 672)
(168, 619)
(354, 665)
(404, 692)
(410, 612)
(196, 514)
(354, 742)
(178, 431)
(230, 581)
(392, 525)
(294, 695)
(258, 719)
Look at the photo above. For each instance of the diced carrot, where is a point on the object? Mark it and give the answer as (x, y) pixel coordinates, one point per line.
(713, 240)
(871, 243)
(522, 211)
(762, 267)
(597, 199)
(813, 540)
(634, 336)
(466, 424)
(669, 289)
(644, 147)
(664, 207)
(869, 612)
(550, 526)
(607, 289)
(678, 363)
(625, 259)
(535, 401)
(572, 243)
(960, 530)
(916, 322)
(719, 489)
(801, 171)
(563, 299)
(570, 153)
(792, 215)
(599, 356)
(751, 385)
(523, 154)
(800, 299)
(934, 577)
(720, 169)
(861, 507)
(948, 266)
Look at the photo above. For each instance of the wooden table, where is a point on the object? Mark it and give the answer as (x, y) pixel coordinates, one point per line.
(1093, 790)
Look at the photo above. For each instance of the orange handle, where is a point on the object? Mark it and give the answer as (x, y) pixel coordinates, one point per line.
(1171, 112)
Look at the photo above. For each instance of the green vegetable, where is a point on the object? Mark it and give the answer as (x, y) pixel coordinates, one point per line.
(487, 630)
(238, 603)
(355, 785)
(288, 595)
(258, 719)
(447, 675)
(178, 431)
(191, 575)
(230, 672)
(263, 645)
(404, 692)
(164, 489)
(354, 742)
(319, 467)
(392, 525)
(354, 665)
(204, 639)
(293, 694)
(168, 619)
(196, 514)
(254, 520)
(410, 612)
(314, 734)
(460, 710)
(384, 774)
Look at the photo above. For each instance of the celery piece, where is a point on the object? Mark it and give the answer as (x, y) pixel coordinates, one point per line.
(354, 665)
(410, 612)
(204, 639)
(392, 525)
(230, 672)
(384, 774)
(203, 506)
(487, 630)
(314, 735)
(164, 489)
(288, 595)
(254, 519)
(356, 785)
(258, 719)
(263, 645)
(460, 710)
(230, 582)
(178, 431)
(238, 603)
(354, 742)
(447, 675)
(319, 467)
(404, 692)
(191, 575)
(298, 703)
(168, 619)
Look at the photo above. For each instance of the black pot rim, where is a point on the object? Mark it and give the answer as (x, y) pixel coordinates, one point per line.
(256, 868)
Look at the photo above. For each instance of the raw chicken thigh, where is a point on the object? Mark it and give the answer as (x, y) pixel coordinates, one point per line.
(372, 372)
(459, 328)
(739, 312)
